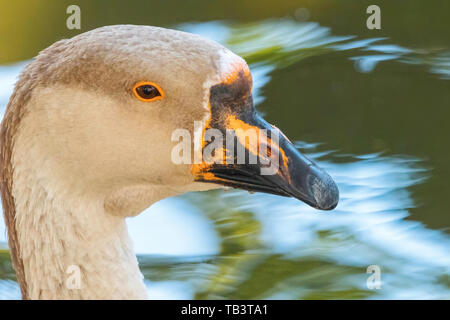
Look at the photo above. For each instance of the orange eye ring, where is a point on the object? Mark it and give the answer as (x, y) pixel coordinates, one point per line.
(148, 91)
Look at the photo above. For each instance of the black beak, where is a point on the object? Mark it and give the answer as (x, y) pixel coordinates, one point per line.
(295, 175)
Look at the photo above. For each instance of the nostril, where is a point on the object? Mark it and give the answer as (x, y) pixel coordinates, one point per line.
(324, 191)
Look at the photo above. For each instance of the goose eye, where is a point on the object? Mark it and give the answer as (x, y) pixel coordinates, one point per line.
(147, 91)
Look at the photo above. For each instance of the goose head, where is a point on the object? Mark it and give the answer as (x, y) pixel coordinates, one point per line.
(104, 124)
(108, 109)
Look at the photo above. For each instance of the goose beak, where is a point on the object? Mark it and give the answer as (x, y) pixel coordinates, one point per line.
(306, 181)
(289, 173)
(279, 167)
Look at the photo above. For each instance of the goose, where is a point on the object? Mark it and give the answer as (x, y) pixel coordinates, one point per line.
(87, 141)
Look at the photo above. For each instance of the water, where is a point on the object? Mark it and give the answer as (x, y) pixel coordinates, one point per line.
(371, 108)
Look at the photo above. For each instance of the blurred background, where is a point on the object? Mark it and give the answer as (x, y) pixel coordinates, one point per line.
(370, 106)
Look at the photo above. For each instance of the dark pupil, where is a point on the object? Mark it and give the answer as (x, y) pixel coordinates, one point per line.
(147, 91)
